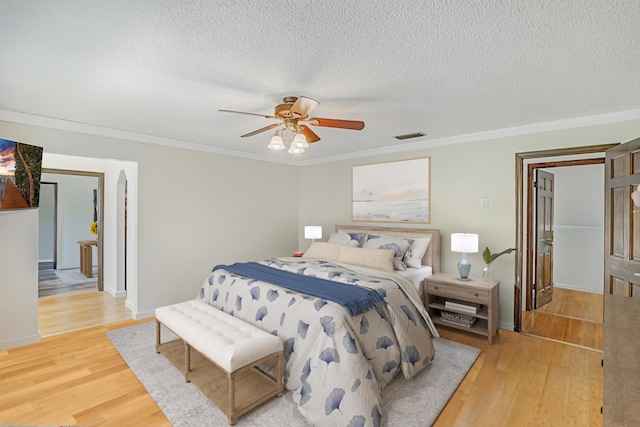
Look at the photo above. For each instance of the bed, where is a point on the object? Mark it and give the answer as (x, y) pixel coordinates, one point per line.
(338, 357)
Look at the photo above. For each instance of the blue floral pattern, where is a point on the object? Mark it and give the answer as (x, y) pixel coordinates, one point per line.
(336, 365)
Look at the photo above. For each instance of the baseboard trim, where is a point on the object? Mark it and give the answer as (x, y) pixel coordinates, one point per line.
(19, 342)
(577, 288)
(138, 315)
(506, 326)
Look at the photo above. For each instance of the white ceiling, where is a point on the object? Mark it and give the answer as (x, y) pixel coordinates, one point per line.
(158, 70)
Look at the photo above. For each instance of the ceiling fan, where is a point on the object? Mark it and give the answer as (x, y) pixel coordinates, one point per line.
(293, 116)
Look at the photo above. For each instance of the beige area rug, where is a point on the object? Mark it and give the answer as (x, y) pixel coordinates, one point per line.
(416, 402)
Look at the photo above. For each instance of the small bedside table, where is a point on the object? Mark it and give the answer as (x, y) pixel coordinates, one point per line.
(440, 288)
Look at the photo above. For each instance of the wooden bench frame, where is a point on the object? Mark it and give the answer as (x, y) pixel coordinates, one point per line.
(259, 386)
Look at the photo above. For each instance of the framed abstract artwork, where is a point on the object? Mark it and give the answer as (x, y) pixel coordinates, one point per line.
(395, 191)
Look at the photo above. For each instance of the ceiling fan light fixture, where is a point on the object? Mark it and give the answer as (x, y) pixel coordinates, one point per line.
(293, 115)
(296, 150)
(276, 142)
(299, 141)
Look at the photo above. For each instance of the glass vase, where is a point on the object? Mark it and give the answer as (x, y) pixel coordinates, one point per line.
(488, 273)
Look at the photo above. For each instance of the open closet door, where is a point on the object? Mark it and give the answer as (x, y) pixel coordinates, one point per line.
(622, 221)
(543, 273)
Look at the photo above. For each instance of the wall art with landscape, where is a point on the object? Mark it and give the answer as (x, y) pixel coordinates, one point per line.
(20, 167)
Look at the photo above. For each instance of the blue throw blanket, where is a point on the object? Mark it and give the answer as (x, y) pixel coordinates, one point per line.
(355, 299)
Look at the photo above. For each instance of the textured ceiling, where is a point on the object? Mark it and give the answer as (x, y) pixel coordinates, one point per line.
(161, 69)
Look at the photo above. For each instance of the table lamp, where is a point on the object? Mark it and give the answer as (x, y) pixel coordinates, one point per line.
(464, 243)
(313, 232)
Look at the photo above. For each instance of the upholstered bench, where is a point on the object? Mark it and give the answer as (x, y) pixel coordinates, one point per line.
(235, 347)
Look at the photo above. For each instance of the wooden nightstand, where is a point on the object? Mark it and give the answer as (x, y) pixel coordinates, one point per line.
(440, 288)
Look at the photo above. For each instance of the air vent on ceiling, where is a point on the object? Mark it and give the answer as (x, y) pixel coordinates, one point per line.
(409, 135)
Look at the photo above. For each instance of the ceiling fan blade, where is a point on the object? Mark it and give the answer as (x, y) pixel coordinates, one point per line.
(250, 114)
(303, 106)
(309, 134)
(264, 129)
(337, 123)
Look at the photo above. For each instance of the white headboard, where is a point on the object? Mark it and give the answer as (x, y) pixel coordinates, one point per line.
(431, 258)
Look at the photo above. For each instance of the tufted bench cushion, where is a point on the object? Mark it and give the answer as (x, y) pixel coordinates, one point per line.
(230, 343)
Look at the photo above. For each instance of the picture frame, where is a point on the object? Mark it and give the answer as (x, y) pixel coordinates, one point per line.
(20, 169)
(395, 191)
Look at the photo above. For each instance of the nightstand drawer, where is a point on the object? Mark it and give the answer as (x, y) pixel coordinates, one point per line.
(465, 293)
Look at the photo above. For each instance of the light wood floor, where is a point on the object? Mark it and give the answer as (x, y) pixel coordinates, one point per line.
(71, 312)
(521, 380)
(572, 316)
(79, 378)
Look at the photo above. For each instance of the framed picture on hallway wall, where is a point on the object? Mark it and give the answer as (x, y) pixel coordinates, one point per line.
(20, 168)
(392, 192)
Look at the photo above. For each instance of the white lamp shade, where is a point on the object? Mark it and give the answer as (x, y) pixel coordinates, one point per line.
(313, 232)
(276, 143)
(464, 242)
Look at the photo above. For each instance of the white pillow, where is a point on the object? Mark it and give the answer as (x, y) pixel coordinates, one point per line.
(380, 259)
(397, 244)
(349, 239)
(417, 249)
(324, 250)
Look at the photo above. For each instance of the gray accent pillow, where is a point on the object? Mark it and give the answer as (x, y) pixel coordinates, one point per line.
(417, 249)
(397, 244)
(349, 239)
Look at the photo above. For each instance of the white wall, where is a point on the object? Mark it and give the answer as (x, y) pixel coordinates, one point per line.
(18, 278)
(461, 175)
(45, 223)
(578, 259)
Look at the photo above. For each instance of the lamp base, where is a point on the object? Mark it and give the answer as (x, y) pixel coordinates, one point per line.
(464, 267)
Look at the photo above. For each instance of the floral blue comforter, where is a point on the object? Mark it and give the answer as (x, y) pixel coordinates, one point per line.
(336, 365)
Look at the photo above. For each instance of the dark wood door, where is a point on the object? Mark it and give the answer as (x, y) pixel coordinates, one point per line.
(622, 221)
(543, 277)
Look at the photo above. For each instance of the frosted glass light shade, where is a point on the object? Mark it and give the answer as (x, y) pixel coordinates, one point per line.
(300, 141)
(464, 242)
(276, 143)
(295, 150)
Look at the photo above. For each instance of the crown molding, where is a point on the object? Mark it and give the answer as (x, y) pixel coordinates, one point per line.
(531, 129)
(70, 126)
(542, 127)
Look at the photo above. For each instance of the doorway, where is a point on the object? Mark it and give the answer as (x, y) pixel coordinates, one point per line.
(574, 292)
(64, 221)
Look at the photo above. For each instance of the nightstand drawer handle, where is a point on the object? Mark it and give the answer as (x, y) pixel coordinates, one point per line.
(476, 294)
(435, 287)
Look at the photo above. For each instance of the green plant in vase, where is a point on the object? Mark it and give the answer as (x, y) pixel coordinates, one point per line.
(488, 259)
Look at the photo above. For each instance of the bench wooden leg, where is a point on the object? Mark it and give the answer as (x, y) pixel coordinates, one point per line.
(187, 361)
(279, 373)
(157, 337)
(232, 398)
